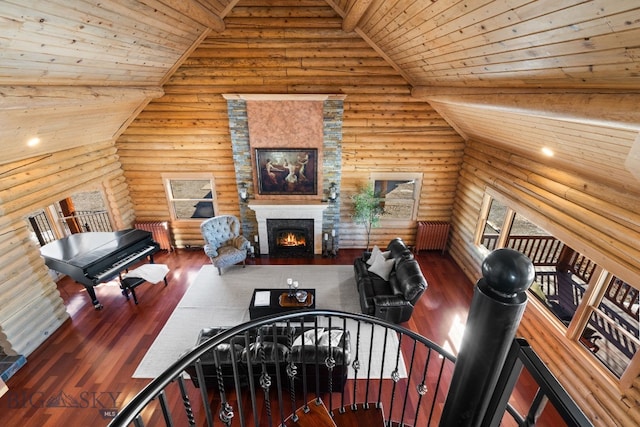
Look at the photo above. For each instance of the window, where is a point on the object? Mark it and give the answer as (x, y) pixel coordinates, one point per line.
(613, 325)
(82, 212)
(399, 194)
(495, 213)
(596, 309)
(190, 197)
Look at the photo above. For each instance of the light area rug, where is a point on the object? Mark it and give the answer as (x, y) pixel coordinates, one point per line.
(214, 300)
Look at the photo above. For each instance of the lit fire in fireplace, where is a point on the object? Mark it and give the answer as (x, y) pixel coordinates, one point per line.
(291, 239)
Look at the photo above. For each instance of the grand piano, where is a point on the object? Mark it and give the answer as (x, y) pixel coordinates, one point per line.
(96, 257)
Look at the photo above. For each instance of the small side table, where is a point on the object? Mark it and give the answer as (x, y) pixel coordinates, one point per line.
(273, 305)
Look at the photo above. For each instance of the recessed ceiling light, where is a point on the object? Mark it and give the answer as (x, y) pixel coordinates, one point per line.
(547, 151)
(33, 142)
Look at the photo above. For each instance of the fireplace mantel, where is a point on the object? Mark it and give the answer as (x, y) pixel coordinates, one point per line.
(289, 209)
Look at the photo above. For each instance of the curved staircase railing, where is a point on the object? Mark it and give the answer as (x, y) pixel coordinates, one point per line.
(406, 384)
(386, 366)
(331, 368)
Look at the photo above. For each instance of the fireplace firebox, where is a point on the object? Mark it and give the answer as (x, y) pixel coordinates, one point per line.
(289, 212)
(290, 237)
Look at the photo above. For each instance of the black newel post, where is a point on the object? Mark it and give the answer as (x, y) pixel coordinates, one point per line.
(499, 300)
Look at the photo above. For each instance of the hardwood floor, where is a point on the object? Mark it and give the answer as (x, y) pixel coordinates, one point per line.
(83, 371)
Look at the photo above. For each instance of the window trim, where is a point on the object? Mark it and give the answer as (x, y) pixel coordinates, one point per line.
(417, 195)
(509, 215)
(595, 292)
(166, 182)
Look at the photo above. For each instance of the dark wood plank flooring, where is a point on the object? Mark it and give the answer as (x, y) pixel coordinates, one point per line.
(84, 369)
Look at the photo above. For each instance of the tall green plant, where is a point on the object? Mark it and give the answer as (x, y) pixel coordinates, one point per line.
(367, 209)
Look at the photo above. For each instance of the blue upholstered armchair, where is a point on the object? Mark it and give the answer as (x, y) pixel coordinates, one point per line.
(223, 242)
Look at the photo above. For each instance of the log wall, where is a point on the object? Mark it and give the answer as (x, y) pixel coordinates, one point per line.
(282, 50)
(385, 129)
(31, 307)
(600, 221)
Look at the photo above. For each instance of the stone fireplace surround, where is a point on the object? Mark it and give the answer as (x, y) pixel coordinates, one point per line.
(301, 209)
(326, 216)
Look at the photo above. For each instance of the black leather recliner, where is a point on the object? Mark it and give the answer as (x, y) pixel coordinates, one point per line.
(390, 299)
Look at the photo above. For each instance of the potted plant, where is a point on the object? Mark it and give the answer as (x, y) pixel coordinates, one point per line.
(367, 209)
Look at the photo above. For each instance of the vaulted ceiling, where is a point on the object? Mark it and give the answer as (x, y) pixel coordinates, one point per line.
(521, 73)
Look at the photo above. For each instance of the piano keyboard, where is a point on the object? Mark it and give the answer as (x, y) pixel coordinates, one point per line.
(122, 264)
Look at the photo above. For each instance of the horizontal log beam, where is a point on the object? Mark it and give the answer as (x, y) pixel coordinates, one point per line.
(600, 107)
(354, 15)
(198, 13)
(29, 97)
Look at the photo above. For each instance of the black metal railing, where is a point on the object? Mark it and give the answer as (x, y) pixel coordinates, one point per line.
(41, 228)
(370, 367)
(522, 357)
(89, 220)
(85, 220)
(410, 383)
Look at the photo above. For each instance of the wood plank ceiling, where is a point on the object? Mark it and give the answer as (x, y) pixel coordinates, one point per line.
(520, 73)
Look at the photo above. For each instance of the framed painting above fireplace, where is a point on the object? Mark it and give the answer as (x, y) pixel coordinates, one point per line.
(286, 171)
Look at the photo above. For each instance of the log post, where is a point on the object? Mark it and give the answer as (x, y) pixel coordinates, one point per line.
(497, 307)
(69, 212)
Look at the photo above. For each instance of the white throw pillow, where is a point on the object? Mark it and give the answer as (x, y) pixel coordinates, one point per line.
(375, 253)
(309, 337)
(382, 267)
(334, 336)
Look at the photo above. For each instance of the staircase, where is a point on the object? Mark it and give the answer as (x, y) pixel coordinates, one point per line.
(315, 414)
(253, 392)
(370, 416)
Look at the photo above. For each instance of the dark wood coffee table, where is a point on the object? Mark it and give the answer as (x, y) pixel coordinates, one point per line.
(279, 302)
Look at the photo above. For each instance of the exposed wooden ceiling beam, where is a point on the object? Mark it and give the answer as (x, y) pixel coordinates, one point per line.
(198, 13)
(184, 56)
(370, 42)
(30, 97)
(384, 55)
(632, 164)
(616, 108)
(229, 7)
(427, 91)
(353, 16)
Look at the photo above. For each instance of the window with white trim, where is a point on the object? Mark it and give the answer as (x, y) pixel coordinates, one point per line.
(190, 197)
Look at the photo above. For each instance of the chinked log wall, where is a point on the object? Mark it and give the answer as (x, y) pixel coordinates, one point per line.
(579, 211)
(30, 305)
(384, 128)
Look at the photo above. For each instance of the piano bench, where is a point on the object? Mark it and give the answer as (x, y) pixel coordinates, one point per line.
(128, 284)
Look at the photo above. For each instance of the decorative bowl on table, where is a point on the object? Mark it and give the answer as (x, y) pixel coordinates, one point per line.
(301, 296)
